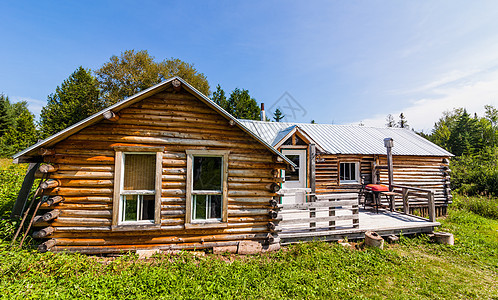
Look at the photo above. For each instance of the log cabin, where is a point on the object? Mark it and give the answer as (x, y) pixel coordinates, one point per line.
(168, 169)
(343, 158)
(164, 169)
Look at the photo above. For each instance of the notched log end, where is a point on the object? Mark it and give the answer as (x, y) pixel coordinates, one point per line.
(44, 247)
(177, 85)
(45, 151)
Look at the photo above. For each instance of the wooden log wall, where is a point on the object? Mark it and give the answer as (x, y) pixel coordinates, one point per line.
(417, 171)
(177, 121)
(423, 172)
(327, 172)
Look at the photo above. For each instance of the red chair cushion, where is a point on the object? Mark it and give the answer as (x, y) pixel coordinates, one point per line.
(377, 188)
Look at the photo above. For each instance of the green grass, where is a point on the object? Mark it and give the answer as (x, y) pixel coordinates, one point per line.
(415, 268)
(483, 206)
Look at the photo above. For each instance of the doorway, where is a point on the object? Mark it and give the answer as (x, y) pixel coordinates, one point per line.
(297, 178)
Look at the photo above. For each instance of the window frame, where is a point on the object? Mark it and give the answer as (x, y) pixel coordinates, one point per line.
(119, 191)
(357, 172)
(189, 193)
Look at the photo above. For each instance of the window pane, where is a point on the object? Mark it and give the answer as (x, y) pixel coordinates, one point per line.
(348, 172)
(148, 207)
(207, 207)
(139, 171)
(347, 169)
(130, 206)
(293, 175)
(207, 173)
(215, 206)
(200, 207)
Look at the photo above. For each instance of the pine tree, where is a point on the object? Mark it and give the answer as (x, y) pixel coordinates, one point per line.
(76, 99)
(242, 106)
(402, 121)
(277, 115)
(22, 133)
(390, 121)
(220, 98)
(5, 116)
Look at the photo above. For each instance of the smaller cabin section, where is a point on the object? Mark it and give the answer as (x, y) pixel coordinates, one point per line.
(343, 158)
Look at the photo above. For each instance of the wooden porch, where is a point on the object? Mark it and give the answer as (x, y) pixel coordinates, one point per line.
(338, 216)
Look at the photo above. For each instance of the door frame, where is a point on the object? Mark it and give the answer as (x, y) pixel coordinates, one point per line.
(303, 167)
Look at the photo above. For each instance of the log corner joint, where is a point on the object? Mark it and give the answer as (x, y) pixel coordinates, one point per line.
(177, 85)
(110, 116)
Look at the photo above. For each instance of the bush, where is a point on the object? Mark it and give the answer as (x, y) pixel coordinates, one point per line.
(11, 177)
(476, 174)
(484, 206)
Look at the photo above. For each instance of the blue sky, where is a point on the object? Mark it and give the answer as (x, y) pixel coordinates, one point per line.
(343, 62)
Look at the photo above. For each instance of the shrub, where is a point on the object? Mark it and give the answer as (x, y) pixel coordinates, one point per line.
(11, 177)
(476, 174)
(483, 206)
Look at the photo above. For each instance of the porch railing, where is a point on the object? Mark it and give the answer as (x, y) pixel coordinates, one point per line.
(406, 191)
(326, 212)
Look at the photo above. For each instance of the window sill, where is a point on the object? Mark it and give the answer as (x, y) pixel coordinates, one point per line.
(349, 182)
(135, 227)
(205, 225)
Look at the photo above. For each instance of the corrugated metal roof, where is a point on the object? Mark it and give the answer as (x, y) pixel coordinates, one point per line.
(350, 139)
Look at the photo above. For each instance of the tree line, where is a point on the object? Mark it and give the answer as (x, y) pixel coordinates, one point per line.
(474, 142)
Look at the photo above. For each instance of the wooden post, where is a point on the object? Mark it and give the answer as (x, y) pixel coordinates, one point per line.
(432, 208)
(312, 216)
(313, 171)
(388, 143)
(331, 214)
(406, 205)
(23, 195)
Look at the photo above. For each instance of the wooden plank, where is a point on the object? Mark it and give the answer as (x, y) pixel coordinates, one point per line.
(317, 219)
(23, 195)
(319, 204)
(117, 187)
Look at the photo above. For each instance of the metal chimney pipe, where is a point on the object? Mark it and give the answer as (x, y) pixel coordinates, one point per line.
(263, 113)
(388, 143)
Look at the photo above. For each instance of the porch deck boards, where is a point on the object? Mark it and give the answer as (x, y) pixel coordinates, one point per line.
(384, 223)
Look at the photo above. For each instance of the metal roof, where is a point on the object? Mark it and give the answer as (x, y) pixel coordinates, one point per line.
(350, 139)
(63, 134)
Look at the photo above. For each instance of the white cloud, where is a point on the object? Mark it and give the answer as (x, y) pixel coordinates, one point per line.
(34, 105)
(471, 94)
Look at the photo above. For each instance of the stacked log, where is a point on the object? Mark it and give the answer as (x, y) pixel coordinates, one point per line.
(179, 122)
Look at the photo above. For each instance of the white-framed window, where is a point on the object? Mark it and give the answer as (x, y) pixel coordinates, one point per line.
(137, 186)
(207, 176)
(349, 172)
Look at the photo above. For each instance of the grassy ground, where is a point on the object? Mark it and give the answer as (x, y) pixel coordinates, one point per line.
(415, 268)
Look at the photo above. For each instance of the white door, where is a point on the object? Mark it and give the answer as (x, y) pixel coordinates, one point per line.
(296, 178)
